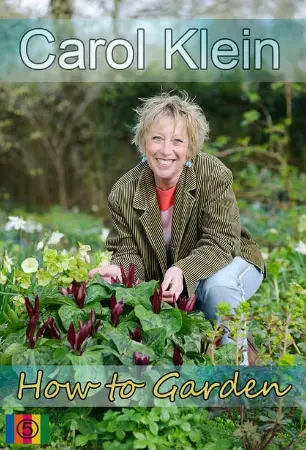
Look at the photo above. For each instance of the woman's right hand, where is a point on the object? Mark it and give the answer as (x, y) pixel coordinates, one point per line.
(107, 272)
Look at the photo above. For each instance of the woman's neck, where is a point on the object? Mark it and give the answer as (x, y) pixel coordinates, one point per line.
(164, 186)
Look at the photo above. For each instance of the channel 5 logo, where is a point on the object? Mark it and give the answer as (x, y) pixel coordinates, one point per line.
(27, 429)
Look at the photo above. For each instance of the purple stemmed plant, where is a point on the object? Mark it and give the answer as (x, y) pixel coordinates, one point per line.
(117, 308)
(135, 335)
(186, 304)
(79, 293)
(139, 359)
(177, 356)
(32, 310)
(48, 327)
(127, 279)
(87, 330)
(156, 300)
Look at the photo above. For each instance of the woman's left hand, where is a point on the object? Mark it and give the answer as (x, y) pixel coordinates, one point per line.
(173, 284)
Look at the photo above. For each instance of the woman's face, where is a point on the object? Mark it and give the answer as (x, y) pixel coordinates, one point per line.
(166, 149)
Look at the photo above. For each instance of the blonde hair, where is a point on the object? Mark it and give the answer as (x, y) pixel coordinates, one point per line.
(177, 106)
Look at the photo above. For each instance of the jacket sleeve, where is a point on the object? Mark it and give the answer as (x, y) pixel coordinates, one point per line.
(220, 232)
(121, 241)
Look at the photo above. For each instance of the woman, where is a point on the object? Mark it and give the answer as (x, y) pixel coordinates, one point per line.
(175, 214)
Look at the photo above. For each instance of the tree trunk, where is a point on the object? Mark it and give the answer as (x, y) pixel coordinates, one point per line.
(62, 192)
(61, 9)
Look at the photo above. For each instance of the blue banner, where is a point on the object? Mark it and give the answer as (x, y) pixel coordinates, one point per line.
(156, 50)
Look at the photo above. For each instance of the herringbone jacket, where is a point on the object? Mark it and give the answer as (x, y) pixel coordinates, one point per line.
(206, 232)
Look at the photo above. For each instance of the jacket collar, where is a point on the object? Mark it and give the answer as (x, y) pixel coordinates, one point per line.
(145, 199)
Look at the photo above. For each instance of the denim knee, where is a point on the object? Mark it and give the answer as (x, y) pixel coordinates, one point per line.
(209, 296)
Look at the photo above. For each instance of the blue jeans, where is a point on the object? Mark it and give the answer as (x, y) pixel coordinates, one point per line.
(234, 283)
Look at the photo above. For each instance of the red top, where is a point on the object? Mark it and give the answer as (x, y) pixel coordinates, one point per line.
(165, 198)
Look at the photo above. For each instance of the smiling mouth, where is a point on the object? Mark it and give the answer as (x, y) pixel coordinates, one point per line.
(165, 162)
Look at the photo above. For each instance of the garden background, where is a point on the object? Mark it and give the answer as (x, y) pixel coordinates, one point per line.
(63, 145)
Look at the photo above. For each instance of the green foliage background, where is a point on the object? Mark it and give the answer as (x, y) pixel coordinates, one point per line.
(67, 144)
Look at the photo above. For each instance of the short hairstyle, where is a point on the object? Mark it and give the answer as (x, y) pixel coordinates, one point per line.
(177, 106)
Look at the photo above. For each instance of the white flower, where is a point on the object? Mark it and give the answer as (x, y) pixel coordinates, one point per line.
(104, 234)
(7, 262)
(30, 265)
(265, 255)
(3, 278)
(273, 230)
(86, 258)
(40, 245)
(256, 206)
(39, 227)
(18, 300)
(31, 226)
(94, 208)
(55, 237)
(301, 248)
(105, 259)
(15, 223)
(83, 250)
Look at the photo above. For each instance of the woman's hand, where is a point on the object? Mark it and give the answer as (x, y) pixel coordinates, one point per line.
(173, 284)
(107, 272)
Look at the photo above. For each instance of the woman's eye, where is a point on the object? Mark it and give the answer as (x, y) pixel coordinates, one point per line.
(178, 141)
(156, 138)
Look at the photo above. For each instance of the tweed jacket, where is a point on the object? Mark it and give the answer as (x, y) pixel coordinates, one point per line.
(206, 232)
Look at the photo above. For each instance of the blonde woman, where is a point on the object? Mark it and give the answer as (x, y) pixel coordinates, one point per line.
(175, 214)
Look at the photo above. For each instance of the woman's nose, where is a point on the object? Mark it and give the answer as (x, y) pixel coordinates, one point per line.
(166, 148)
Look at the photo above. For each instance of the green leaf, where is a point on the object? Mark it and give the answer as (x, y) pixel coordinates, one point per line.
(40, 355)
(60, 355)
(139, 295)
(113, 333)
(140, 444)
(124, 344)
(186, 427)
(165, 416)
(56, 300)
(88, 358)
(120, 435)
(170, 319)
(226, 354)
(97, 292)
(251, 116)
(195, 322)
(195, 435)
(151, 446)
(139, 436)
(302, 347)
(153, 428)
(81, 440)
(87, 424)
(77, 413)
(73, 313)
(155, 338)
(13, 337)
(14, 348)
(210, 446)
